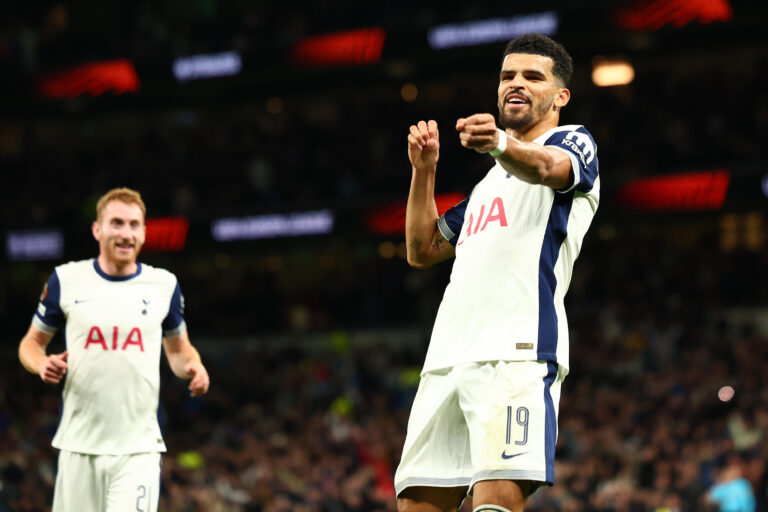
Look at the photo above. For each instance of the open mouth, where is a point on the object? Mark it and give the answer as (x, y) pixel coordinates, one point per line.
(516, 100)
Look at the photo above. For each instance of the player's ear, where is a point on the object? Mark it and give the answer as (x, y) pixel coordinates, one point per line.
(96, 230)
(562, 98)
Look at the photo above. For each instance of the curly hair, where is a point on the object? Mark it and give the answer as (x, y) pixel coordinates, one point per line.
(539, 44)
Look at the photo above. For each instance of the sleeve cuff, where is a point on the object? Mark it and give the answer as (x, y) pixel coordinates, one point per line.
(43, 326)
(442, 226)
(172, 333)
(576, 169)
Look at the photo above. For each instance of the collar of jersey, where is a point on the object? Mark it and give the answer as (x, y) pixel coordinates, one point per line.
(115, 278)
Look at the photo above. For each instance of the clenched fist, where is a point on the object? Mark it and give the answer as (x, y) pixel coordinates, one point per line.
(478, 132)
(424, 145)
(54, 368)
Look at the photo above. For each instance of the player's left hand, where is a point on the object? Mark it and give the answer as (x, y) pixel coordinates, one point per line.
(478, 132)
(200, 379)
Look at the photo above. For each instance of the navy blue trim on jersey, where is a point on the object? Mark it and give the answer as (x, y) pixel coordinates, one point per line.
(452, 220)
(108, 277)
(550, 423)
(557, 230)
(54, 316)
(160, 478)
(63, 383)
(175, 315)
(581, 145)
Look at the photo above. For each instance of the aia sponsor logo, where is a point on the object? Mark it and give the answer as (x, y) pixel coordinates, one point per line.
(496, 214)
(133, 339)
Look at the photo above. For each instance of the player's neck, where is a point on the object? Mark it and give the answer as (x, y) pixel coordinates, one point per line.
(534, 131)
(117, 268)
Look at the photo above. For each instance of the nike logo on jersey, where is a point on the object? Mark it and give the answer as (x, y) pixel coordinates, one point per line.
(505, 456)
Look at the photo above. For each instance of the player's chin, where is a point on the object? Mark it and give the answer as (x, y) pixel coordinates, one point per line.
(514, 121)
(125, 255)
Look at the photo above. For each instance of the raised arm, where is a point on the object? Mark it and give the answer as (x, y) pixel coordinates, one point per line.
(185, 362)
(526, 161)
(425, 244)
(51, 368)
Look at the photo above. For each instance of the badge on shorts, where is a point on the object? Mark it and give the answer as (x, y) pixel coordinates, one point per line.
(524, 346)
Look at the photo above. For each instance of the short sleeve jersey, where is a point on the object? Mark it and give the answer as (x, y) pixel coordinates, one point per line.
(516, 244)
(113, 331)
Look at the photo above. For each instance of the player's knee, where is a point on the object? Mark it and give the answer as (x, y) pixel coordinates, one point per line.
(491, 508)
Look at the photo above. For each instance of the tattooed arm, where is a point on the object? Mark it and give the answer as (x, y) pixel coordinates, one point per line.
(425, 244)
(424, 255)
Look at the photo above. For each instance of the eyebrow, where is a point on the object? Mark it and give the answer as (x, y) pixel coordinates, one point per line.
(525, 71)
(122, 219)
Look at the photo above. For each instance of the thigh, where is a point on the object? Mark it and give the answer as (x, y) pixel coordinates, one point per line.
(511, 410)
(436, 450)
(134, 483)
(431, 499)
(80, 483)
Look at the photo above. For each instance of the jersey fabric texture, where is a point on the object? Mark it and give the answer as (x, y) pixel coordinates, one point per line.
(515, 248)
(113, 331)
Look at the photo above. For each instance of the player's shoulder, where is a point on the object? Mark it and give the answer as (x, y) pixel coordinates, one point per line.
(560, 132)
(157, 274)
(574, 139)
(74, 268)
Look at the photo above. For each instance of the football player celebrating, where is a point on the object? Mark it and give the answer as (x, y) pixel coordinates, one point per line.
(116, 313)
(484, 420)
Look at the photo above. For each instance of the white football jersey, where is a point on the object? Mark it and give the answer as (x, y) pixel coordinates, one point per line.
(515, 248)
(114, 328)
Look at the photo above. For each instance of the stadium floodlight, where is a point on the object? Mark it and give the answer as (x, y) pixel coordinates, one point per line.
(272, 225)
(492, 30)
(609, 72)
(210, 65)
(33, 245)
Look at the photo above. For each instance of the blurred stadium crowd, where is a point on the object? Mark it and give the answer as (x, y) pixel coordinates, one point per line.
(314, 344)
(320, 428)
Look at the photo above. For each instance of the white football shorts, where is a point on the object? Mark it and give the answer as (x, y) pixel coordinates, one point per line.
(107, 483)
(492, 420)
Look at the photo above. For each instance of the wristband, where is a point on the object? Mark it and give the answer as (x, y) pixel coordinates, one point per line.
(498, 150)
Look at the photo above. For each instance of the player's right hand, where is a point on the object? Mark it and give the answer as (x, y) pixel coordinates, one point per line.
(424, 145)
(54, 368)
